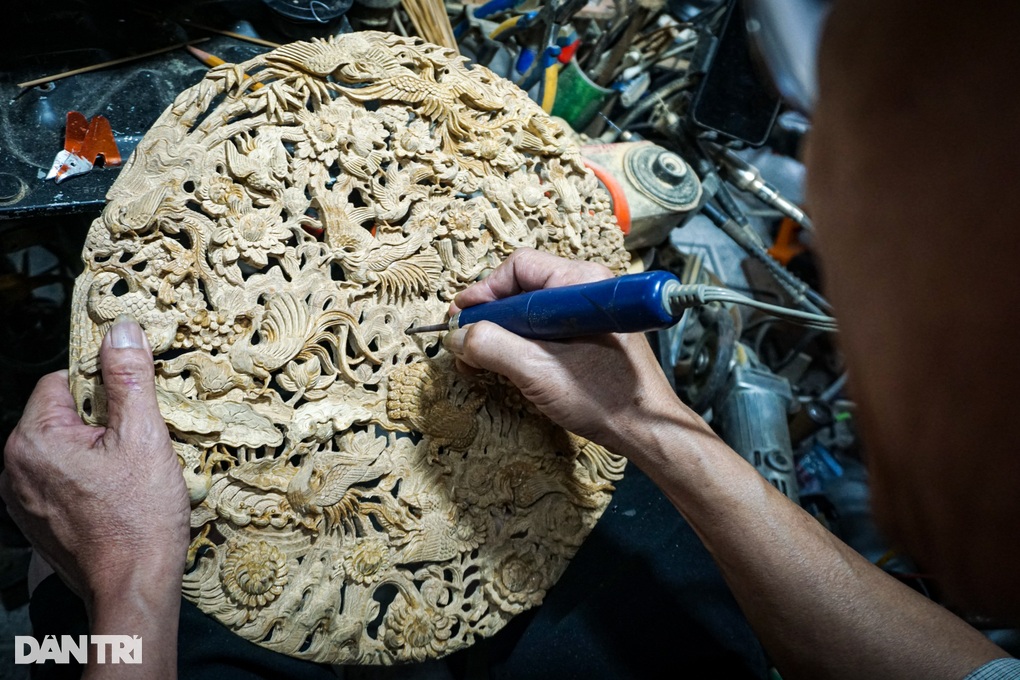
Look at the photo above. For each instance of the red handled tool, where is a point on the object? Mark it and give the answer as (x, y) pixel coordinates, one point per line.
(84, 143)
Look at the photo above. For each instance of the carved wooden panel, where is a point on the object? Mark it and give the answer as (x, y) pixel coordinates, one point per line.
(355, 499)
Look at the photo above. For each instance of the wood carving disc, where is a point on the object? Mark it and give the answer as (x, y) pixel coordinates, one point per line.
(355, 499)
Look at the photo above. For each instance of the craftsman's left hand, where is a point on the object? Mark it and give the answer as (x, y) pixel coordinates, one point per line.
(107, 507)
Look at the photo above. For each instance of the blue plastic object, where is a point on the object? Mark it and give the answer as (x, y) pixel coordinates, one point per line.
(538, 70)
(495, 7)
(627, 304)
(525, 60)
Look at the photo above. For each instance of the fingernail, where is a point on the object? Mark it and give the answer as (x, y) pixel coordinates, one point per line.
(126, 333)
(454, 340)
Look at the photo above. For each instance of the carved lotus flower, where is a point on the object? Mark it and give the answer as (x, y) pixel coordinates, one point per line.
(367, 560)
(427, 215)
(325, 132)
(525, 192)
(416, 631)
(253, 573)
(497, 149)
(394, 116)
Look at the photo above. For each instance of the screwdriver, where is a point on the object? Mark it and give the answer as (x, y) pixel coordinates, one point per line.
(627, 304)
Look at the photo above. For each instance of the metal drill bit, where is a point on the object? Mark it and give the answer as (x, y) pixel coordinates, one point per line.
(434, 328)
(747, 177)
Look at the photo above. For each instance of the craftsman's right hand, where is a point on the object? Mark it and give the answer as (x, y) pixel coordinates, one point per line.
(598, 387)
(107, 507)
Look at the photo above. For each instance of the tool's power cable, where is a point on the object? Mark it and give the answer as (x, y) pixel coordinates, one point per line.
(692, 295)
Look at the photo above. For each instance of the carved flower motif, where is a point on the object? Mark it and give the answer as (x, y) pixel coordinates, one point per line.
(519, 579)
(461, 220)
(209, 330)
(253, 235)
(367, 560)
(414, 140)
(305, 379)
(416, 631)
(527, 193)
(427, 215)
(496, 149)
(366, 133)
(221, 195)
(326, 131)
(563, 520)
(394, 117)
(464, 181)
(253, 573)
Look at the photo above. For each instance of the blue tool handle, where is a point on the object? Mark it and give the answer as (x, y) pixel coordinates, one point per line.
(495, 7)
(627, 304)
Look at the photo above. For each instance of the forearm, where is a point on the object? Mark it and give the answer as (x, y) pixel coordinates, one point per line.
(820, 609)
(143, 605)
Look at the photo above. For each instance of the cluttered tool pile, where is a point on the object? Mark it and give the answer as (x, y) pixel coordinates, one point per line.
(342, 183)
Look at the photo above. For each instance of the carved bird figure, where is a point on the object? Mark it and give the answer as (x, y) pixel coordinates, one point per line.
(395, 191)
(323, 57)
(341, 221)
(260, 160)
(288, 331)
(197, 466)
(396, 269)
(432, 99)
(314, 492)
(438, 536)
(213, 375)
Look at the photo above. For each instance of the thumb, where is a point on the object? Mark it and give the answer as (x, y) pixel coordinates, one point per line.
(129, 378)
(486, 345)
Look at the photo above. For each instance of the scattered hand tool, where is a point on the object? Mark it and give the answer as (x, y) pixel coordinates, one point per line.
(555, 14)
(84, 143)
(541, 69)
(748, 179)
(514, 25)
(491, 8)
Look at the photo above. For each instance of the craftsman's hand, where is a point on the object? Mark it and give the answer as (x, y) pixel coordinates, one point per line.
(598, 387)
(107, 507)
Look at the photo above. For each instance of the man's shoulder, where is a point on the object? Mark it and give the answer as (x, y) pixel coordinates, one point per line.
(1000, 669)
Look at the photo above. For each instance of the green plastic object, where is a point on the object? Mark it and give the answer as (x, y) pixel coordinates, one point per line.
(578, 99)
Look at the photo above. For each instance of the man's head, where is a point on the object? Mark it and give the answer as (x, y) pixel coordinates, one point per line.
(910, 171)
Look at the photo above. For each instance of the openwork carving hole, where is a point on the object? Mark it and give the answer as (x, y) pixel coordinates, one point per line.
(355, 500)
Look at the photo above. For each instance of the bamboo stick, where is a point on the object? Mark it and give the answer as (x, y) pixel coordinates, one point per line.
(105, 64)
(431, 21)
(232, 34)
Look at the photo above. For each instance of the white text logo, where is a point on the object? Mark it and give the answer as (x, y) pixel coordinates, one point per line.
(109, 649)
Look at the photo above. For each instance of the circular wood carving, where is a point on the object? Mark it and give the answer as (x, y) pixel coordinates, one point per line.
(355, 499)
